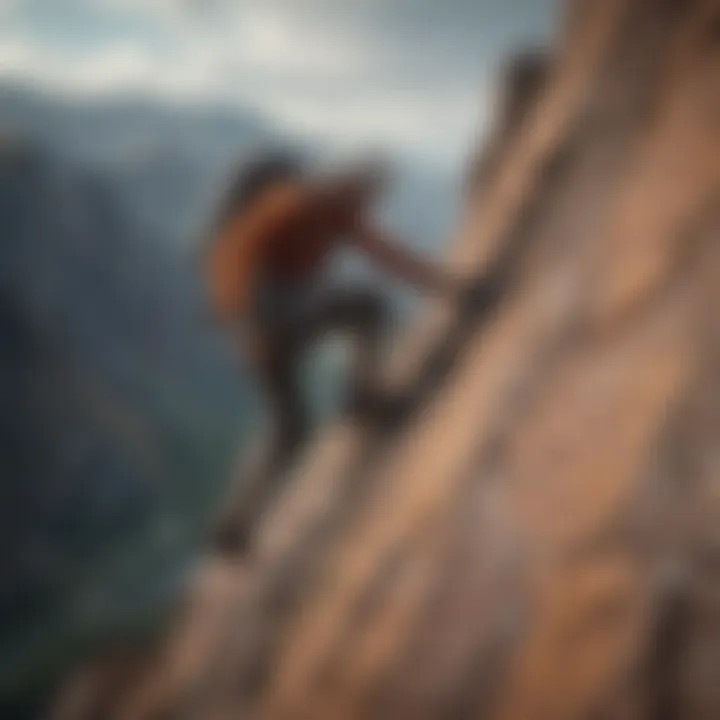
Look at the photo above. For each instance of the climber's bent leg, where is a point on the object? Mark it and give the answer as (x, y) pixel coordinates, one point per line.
(365, 314)
(318, 312)
(262, 481)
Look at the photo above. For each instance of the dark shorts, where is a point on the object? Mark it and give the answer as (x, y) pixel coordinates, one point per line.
(294, 314)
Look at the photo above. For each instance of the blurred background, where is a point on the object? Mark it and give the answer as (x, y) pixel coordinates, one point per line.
(122, 408)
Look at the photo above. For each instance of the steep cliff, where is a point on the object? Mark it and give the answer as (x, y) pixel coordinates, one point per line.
(540, 538)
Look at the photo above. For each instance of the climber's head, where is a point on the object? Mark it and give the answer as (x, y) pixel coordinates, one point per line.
(362, 182)
(253, 176)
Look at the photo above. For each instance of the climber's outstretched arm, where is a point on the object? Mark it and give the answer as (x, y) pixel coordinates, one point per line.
(402, 263)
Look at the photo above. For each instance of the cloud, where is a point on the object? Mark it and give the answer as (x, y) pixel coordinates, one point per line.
(409, 73)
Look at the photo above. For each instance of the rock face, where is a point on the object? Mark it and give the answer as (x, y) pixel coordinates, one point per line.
(540, 539)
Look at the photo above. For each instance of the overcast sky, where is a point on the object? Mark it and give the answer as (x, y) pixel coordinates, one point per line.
(411, 74)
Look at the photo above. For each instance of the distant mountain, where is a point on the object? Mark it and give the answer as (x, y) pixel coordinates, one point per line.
(120, 408)
(127, 128)
(163, 159)
(167, 162)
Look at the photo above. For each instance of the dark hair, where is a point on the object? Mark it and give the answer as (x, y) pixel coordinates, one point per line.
(362, 180)
(251, 180)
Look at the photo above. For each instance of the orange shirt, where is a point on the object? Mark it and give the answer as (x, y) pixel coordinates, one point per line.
(287, 235)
